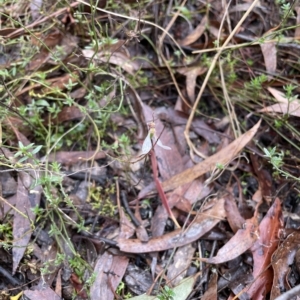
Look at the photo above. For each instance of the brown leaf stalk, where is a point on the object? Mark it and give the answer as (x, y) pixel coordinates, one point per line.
(159, 187)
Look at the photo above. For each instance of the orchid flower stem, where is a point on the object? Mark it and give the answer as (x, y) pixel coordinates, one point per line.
(160, 190)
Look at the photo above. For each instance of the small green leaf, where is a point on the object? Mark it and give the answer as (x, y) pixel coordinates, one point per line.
(37, 149)
(42, 103)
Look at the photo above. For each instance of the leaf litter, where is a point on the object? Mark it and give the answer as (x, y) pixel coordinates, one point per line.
(199, 204)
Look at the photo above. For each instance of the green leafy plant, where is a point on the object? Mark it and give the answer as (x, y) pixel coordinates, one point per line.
(166, 294)
(289, 92)
(276, 160)
(120, 291)
(78, 265)
(6, 232)
(27, 152)
(256, 82)
(286, 8)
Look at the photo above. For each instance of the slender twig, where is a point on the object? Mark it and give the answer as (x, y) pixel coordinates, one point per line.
(7, 275)
(134, 220)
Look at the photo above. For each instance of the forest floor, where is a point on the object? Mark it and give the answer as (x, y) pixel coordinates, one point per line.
(149, 150)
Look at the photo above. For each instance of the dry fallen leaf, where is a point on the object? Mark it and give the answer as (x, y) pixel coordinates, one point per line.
(212, 292)
(195, 34)
(110, 270)
(222, 157)
(22, 228)
(28, 197)
(238, 244)
(263, 250)
(58, 284)
(234, 218)
(292, 108)
(270, 57)
(202, 223)
(279, 96)
(45, 293)
(49, 40)
(116, 58)
(127, 229)
(191, 74)
(78, 285)
(284, 106)
(68, 113)
(282, 260)
(263, 176)
(297, 30)
(182, 261)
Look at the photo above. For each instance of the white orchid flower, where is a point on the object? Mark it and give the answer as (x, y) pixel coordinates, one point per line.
(151, 140)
